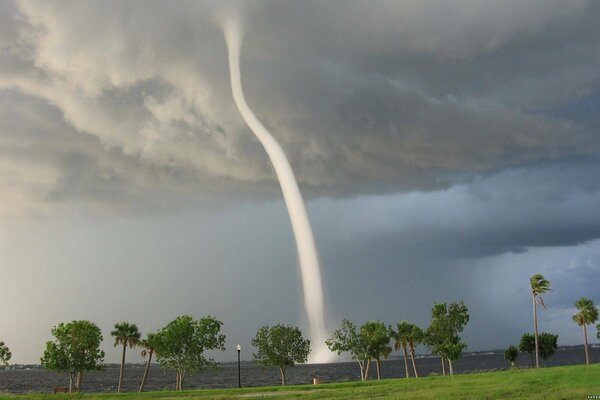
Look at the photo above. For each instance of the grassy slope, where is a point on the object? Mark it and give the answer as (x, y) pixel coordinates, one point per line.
(573, 382)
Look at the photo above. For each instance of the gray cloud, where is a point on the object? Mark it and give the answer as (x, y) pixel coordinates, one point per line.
(405, 103)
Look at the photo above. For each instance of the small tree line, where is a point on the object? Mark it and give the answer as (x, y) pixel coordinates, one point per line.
(371, 341)
(179, 346)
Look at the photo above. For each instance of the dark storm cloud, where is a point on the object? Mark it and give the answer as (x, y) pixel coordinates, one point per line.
(381, 97)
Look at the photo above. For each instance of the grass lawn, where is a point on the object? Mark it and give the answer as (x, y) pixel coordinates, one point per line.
(572, 382)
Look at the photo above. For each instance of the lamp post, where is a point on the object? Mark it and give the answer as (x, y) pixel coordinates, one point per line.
(239, 348)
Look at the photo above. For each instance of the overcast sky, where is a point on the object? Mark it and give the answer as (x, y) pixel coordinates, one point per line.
(446, 151)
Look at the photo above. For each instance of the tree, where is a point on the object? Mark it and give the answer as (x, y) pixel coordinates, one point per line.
(447, 321)
(181, 344)
(511, 355)
(527, 345)
(280, 346)
(76, 348)
(539, 286)
(5, 353)
(415, 336)
(548, 343)
(125, 334)
(148, 345)
(400, 336)
(378, 338)
(587, 315)
(363, 345)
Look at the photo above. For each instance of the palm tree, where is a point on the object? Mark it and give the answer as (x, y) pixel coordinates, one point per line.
(401, 341)
(148, 345)
(415, 337)
(539, 286)
(587, 315)
(125, 334)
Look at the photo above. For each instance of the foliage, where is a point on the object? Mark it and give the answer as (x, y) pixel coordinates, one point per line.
(511, 354)
(76, 348)
(181, 344)
(126, 334)
(548, 343)
(539, 285)
(370, 342)
(527, 343)
(588, 313)
(281, 346)
(447, 321)
(5, 353)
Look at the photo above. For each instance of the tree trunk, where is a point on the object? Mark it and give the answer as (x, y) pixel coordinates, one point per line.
(79, 380)
(362, 370)
(146, 370)
(450, 367)
(405, 361)
(282, 370)
(585, 342)
(70, 383)
(367, 369)
(535, 334)
(531, 355)
(412, 357)
(181, 376)
(443, 366)
(122, 367)
(378, 364)
(177, 381)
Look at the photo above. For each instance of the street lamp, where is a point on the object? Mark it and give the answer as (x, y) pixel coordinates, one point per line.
(239, 348)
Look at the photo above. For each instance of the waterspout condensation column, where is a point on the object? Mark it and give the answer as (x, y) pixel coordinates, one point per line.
(305, 243)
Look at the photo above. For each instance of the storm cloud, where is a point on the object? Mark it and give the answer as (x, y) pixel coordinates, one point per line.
(442, 147)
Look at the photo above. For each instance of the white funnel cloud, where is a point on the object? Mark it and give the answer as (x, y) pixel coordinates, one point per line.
(305, 243)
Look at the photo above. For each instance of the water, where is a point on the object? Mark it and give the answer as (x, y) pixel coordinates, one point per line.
(39, 380)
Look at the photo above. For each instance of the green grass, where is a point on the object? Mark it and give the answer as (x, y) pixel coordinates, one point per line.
(572, 382)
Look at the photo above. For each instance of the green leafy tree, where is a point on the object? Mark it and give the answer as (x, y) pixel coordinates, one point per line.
(539, 286)
(400, 336)
(181, 344)
(125, 334)
(148, 350)
(347, 339)
(5, 353)
(587, 315)
(548, 343)
(511, 355)
(281, 346)
(527, 345)
(447, 321)
(364, 344)
(378, 336)
(76, 348)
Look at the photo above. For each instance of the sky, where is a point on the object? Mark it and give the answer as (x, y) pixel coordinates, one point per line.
(446, 152)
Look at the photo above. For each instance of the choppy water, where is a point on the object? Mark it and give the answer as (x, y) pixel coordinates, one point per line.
(38, 380)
